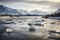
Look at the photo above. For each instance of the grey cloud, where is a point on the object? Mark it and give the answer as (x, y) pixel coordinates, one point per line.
(9, 1)
(52, 4)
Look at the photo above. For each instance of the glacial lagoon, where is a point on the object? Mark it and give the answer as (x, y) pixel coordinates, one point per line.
(17, 28)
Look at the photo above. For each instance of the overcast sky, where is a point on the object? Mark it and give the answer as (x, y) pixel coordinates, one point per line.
(44, 5)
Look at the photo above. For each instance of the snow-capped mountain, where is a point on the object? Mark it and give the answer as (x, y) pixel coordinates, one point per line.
(37, 12)
(6, 10)
(10, 11)
(23, 12)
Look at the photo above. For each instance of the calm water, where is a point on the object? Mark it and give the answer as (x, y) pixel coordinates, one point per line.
(21, 31)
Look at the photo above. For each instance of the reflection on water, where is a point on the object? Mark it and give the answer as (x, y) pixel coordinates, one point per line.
(21, 28)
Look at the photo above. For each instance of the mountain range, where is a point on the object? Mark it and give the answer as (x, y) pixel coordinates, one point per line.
(10, 11)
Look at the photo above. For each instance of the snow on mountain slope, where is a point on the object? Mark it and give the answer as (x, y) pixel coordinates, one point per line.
(37, 12)
(6, 10)
(10, 11)
(23, 12)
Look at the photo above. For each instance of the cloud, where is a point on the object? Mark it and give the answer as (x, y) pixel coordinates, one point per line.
(38, 2)
(13, 1)
(48, 3)
(33, 4)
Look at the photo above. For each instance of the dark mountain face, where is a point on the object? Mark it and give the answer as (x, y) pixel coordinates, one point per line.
(55, 14)
(58, 11)
(6, 10)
